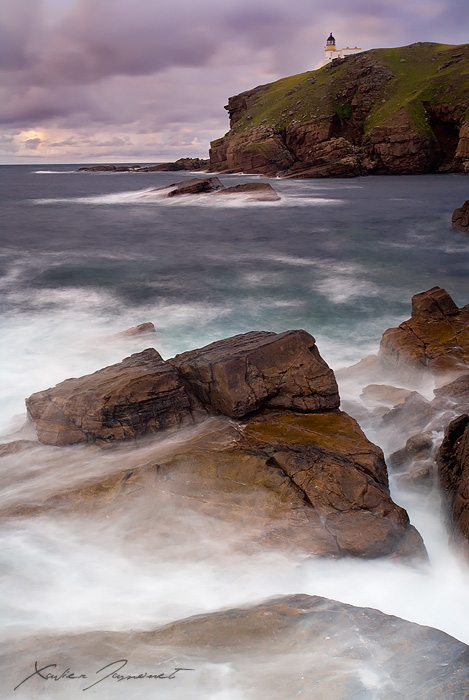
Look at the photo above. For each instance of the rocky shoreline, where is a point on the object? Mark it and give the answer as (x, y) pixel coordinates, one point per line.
(251, 429)
(265, 410)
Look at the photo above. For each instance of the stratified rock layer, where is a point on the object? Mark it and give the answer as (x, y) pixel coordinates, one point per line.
(435, 338)
(138, 396)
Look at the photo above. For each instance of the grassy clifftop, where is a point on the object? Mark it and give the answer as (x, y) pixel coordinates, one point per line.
(409, 76)
(402, 110)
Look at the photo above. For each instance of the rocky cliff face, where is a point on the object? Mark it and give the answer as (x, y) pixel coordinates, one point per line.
(383, 111)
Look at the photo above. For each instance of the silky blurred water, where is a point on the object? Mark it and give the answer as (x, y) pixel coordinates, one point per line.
(87, 255)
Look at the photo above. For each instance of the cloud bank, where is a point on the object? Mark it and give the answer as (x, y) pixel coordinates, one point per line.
(89, 80)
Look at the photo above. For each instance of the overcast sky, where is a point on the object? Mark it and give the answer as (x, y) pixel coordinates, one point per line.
(146, 80)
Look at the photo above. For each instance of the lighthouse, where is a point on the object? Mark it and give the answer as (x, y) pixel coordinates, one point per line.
(333, 52)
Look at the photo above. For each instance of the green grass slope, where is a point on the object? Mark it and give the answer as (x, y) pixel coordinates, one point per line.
(371, 86)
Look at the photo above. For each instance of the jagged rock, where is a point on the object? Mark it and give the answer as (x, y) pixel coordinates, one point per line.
(334, 158)
(460, 218)
(435, 338)
(453, 467)
(130, 399)
(239, 375)
(284, 648)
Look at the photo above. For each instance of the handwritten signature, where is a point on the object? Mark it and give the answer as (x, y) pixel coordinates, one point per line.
(111, 671)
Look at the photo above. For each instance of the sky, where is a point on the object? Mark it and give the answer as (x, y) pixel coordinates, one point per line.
(88, 81)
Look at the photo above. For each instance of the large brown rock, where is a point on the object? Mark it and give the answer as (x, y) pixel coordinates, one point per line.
(341, 475)
(130, 399)
(310, 483)
(453, 467)
(435, 338)
(460, 218)
(247, 372)
(284, 648)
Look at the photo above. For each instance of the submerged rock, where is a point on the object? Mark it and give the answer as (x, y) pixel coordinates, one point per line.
(287, 647)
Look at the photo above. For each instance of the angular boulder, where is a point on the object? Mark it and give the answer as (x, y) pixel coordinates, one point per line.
(460, 218)
(260, 369)
(453, 467)
(130, 399)
(434, 339)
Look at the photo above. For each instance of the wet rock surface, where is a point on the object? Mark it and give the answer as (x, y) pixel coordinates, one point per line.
(434, 339)
(453, 468)
(252, 191)
(314, 480)
(279, 649)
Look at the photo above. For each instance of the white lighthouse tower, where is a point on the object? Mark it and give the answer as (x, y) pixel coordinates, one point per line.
(333, 52)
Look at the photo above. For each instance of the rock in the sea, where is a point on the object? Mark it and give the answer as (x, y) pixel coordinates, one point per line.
(454, 395)
(133, 398)
(247, 372)
(197, 185)
(341, 475)
(256, 191)
(460, 218)
(141, 329)
(310, 483)
(411, 415)
(434, 339)
(453, 467)
(286, 647)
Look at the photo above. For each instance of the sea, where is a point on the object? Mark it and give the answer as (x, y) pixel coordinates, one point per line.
(85, 256)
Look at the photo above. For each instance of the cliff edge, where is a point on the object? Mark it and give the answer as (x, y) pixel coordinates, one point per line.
(384, 111)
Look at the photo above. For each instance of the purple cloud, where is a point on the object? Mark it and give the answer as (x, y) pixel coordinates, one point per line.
(122, 68)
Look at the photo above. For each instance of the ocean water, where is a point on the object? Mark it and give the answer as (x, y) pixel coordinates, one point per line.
(87, 255)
